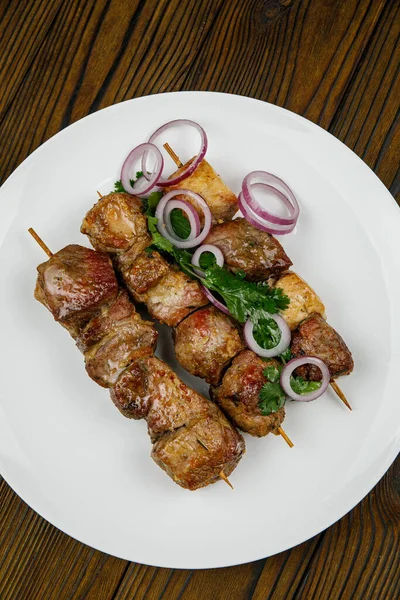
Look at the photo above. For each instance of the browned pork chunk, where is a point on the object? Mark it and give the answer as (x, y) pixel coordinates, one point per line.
(144, 273)
(205, 343)
(128, 340)
(101, 324)
(238, 395)
(194, 455)
(116, 224)
(303, 300)
(208, 184)
(74, 284)
(314, 337)
(246, 248)
(173, 298)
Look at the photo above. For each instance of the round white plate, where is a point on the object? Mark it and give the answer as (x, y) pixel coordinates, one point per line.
(67, 451)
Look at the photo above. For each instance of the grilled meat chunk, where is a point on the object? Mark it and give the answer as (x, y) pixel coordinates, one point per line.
(128, 340)
(194, 455)
(303, 300)
(237, 396)
(101, 324)
(205, 343)
(116, 223)
(131, 393)
(74, 284)
(208, 184)
(145, 272)
(173, 298)
(246, 248)
(314, 337)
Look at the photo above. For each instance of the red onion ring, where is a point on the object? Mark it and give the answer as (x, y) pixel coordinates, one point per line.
(196, 161)
(282, 345)
(130, 160)
(214, 301)
(189, 211)
(259, 223)
(219, 257)
(173, 238)
(275, 184)
(298, 362)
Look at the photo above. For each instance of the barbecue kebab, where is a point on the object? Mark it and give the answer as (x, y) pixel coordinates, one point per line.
(192, 439)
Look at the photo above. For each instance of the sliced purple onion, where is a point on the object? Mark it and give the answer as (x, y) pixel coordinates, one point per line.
(292, 365)
(189, 211)
(214, 301)
(144, 184)
(283, 344)
(172, 237)
(262, 224)
(280, 189)
(219, 257)
(197, 159)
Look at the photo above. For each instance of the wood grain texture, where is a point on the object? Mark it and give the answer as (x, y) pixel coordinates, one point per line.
(368, 119)
(335, 62)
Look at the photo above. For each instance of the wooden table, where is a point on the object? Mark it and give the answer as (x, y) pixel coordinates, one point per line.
(335, 62)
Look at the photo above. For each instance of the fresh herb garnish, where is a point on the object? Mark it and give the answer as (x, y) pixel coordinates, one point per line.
(267, 333)
(180, 223)
(272, 397)
(118, 187)
(150, 203)
(207, 260)
(285, 356)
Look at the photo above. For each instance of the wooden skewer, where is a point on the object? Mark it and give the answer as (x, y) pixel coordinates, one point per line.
(285, 437)
(339, 392)
(40, 242)
(174, 156)
(99, 194)
(224, 478)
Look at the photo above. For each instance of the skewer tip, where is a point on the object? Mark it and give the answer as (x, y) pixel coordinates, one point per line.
(100, 195)
(174, 156)
(224, 478)
(41, 243)
(285, 437)
(339, 392)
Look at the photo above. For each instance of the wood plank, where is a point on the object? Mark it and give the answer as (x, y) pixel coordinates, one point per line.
(368, 119)
(284, 57)
(359, 556)
(39, 561)
(23, 27)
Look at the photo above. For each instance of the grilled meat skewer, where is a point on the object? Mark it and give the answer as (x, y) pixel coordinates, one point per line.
(206, 339)
(79, 287)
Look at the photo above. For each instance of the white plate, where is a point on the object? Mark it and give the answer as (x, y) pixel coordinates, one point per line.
(74, 459)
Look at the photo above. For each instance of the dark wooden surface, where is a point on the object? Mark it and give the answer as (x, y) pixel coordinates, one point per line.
(334, 61)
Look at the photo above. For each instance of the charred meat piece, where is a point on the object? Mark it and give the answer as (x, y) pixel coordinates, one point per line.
(205, 343)
(238, 395)
(173, 403)
(194, 455)
(246, 248)
(208, 184)
(116, 223)
(303, 300)
(173, 298)
(74, 284)
(128, 340)
(131, 393)
(100, 325)
(144, 273)
(314, 337)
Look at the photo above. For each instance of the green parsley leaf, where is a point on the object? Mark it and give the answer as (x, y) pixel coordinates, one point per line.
(245, 299)
(118, 187)
(150, 203)
(272, 373)
(267, 333)
(207, 260)
(285, 356)
(180, 223)
(159, 241)
(272, 398)
(303, 387)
